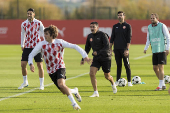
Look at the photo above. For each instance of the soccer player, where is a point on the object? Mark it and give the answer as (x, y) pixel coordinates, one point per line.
(158, 36)
(121, 37)
(31, 30)
(99, 42)
(52, 50)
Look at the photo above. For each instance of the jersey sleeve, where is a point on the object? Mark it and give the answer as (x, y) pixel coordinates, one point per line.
(74, 46)
(166, 34)
(41, 30)
(22, 36)
(112, 35)
(34, 52)
(87, 46)
(147, 41)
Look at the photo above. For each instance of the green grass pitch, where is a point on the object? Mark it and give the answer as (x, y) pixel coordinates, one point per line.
(137, 99)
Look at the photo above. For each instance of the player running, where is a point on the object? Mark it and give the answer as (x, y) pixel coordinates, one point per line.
(52, 50)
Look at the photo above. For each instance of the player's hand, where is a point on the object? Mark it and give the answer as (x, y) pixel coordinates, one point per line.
(88, 60)
(94, 53)
(144, 51)
(167, 52)
(32, 67)
(126, 53)
(169, 91)
(22, 48)
(111, 52)
(82, 62)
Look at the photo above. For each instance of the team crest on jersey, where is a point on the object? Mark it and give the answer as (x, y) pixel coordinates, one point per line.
(91, 39)
(124, 27)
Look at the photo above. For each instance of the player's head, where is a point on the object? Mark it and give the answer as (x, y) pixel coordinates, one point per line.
(154, 18)
(30, 14)
(121, 16)
(94, 26)
(50, 33)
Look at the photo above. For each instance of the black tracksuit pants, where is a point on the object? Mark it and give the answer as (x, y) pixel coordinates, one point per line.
(118, 57)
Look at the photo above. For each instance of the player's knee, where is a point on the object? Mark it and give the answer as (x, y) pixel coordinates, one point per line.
(23, 65)
(92, 74)
(61, 86)
(107, 76)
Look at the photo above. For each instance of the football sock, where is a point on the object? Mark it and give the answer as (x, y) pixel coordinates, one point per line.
(71, 99)
(160, 83)
(25, 78)
(163, 84)
(41, 81)
(96, 92)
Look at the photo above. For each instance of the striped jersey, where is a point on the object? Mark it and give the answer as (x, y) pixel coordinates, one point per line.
(31, 32)
(53, 53)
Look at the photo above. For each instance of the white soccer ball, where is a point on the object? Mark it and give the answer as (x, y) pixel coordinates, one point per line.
(122, 82)
(166, 79)
(136, 80)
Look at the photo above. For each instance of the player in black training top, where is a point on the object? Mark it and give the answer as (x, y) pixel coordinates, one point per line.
(99, 43)
(121, 37)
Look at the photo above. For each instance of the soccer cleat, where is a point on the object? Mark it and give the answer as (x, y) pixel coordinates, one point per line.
(158, 89)
(23, 85)
(114, 89)
(130, 84)
(77, 95)
(41, 88)
(94, 95)
(76, 106)
(116, 83)
(163, 87)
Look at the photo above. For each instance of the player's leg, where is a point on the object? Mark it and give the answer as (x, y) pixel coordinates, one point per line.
(106, 65)
(39, 61)
(24, 61)
(65, 90)
(93, 71)
(162, 59)
(118, 58)
(128, 70)
(59, 80)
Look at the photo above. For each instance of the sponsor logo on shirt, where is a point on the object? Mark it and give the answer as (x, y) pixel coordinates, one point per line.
(91, 39)
(124, 27)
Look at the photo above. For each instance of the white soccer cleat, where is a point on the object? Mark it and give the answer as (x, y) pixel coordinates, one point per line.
(114, 89)
(130, 84)
(76, 106)
(77, 95)
(41, 88)
(95, 95)
(23, 85)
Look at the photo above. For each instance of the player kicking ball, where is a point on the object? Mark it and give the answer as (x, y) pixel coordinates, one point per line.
(52, 50)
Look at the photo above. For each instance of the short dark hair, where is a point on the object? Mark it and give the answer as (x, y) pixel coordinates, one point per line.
(31, 9)
(121, 12)
(156, 15)
(94, 23)
(53, 31)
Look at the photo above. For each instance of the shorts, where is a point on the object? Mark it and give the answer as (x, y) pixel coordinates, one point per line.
(159, 58)
(60, 73)
(106, 65)
(27, 51)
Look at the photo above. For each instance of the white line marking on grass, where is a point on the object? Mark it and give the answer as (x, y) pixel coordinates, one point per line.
(38, 88)
(142, 56)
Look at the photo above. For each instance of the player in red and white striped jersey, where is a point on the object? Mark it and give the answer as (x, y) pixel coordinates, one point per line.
(52, 50)
(31, 30)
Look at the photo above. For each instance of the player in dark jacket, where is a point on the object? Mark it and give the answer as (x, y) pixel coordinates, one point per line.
(121, 37)
(99, 43)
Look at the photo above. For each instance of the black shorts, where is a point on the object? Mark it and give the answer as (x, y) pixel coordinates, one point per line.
(60, 73)
(159, 58)
(27, 51)
(106, 64)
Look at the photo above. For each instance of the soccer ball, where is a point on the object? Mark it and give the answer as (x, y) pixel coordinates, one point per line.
(136, 80)
(166, 79)
(122, 82)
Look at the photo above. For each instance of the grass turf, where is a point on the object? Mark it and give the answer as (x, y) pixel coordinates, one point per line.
(137, 99)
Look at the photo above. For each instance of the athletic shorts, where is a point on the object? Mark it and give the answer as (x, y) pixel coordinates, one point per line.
(159, 58)
(60, 73)
(105, 64)
(27, 51)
